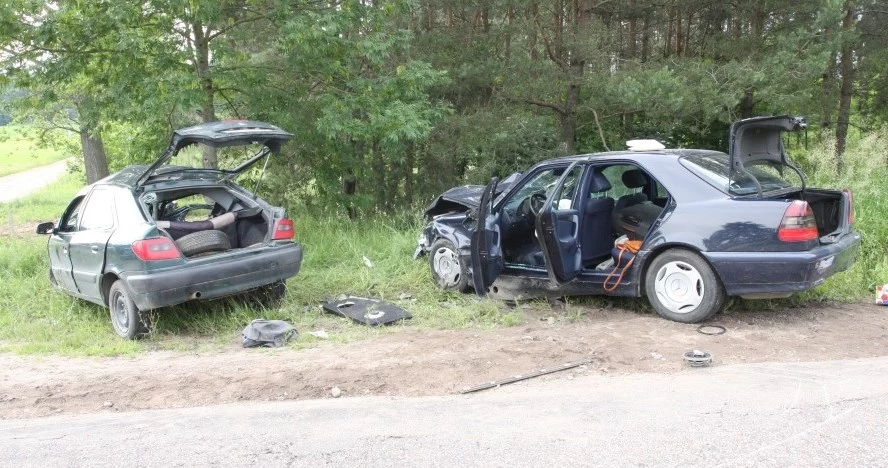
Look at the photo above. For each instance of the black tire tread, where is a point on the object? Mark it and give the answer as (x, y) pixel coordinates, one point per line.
(203, 242)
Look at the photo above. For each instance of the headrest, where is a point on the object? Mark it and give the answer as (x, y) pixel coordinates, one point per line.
(599, 183)
(634, 178)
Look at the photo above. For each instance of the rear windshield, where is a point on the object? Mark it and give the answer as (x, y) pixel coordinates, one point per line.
(714, 168)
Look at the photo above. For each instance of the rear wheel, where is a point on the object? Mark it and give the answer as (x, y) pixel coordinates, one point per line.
(129, 322)
(447, 270)
(683, 287)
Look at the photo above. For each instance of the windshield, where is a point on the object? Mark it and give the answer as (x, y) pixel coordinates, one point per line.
(714, 168)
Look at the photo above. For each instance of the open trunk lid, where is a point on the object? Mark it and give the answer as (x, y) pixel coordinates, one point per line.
(222, 134)
(759, 140)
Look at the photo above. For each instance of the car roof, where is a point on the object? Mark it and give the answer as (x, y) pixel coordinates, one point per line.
(639, 156)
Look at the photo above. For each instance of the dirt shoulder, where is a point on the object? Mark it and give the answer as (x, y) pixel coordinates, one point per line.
(413, 363)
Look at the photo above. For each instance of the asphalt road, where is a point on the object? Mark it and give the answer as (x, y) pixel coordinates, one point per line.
(22, 183)
(762, 415)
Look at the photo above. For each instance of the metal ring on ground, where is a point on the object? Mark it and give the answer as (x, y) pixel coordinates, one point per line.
(698, 358)
(717, 329)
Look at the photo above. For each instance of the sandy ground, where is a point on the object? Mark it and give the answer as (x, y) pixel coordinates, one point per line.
(413, 363)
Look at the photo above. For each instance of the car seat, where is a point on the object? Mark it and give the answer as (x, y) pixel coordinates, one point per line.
(596, 238)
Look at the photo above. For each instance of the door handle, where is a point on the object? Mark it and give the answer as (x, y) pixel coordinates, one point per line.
(95, 249)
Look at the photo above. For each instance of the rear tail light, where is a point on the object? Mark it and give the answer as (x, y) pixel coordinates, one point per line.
(850, 206)
(157, 248)
(798, 223)
(283, 229)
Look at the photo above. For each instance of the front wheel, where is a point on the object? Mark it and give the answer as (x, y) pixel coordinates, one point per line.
(683, 287)
(129, 322)
(448, 270)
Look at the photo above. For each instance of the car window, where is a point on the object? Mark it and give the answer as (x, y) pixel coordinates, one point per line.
(614, 174)
(71, 216)
(542, 182)
(714, 168)
(128, 211)
(99, 210)
(564, 198)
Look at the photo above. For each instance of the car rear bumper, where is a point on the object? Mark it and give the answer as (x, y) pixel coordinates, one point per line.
(214, 277)
(765, 273)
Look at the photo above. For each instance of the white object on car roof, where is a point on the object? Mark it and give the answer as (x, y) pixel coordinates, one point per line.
(644, 145)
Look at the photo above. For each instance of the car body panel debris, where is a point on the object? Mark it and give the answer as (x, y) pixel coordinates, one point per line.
(371, 312)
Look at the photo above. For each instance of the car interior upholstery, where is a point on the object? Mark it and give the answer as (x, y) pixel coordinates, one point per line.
(178, 213)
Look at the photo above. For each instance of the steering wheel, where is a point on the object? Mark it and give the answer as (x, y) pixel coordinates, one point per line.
(179, 214)
(537, 200)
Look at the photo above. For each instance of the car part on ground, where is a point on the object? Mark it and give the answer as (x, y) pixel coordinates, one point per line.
(711, 225)
(711, 329)
(262, 333)
(697, 358)
(370, 312)
(154, 236)
(531, 375)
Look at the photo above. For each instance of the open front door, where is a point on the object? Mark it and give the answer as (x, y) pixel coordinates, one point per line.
(558, 227)
(487, 253)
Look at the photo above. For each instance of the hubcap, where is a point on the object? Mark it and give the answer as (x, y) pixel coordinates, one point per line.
(446, 265)
(121, 318)
(679, 287)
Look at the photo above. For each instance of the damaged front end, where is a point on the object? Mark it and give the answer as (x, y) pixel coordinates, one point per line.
(450, 215)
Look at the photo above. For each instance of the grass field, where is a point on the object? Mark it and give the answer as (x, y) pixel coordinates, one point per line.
(34, 319)
(19, 153)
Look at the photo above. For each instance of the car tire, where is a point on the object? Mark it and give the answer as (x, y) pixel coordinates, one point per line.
(683, 287)
(201, 242)
(448, 271)
(270, 295)
(129, 322)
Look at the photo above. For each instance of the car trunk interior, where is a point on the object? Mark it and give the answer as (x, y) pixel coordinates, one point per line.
(827, 205)
(185, 211)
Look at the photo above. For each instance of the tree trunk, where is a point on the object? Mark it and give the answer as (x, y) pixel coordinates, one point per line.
(633, 31)
(95, 162)
(408, 172)
(846, 65)
(208, 107)
(748, 106)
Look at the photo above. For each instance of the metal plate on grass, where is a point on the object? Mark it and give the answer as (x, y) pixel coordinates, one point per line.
(371, 312)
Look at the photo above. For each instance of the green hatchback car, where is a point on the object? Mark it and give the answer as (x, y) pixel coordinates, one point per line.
(155, 236)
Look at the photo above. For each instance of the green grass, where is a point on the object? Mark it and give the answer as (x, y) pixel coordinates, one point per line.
(34, 319)
(19, 152)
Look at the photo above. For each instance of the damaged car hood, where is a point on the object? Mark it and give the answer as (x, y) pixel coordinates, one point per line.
(465, 197)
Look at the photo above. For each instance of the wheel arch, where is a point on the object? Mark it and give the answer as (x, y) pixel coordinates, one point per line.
(660, 249)
(108, 279)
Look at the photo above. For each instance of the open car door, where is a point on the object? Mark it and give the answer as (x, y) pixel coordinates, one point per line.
(487, 254)
(558, 227)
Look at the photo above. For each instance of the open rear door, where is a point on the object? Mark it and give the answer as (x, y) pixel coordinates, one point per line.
(558, 227)
(487, 254)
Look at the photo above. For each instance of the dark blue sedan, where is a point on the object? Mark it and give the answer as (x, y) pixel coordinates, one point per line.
(686, 228)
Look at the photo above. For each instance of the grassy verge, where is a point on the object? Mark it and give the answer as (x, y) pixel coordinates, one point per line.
(18, 153)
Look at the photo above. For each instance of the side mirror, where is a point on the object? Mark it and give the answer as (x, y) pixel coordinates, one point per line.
(46, 228)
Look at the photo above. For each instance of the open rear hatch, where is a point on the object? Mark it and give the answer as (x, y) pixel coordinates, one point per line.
(219, 135)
